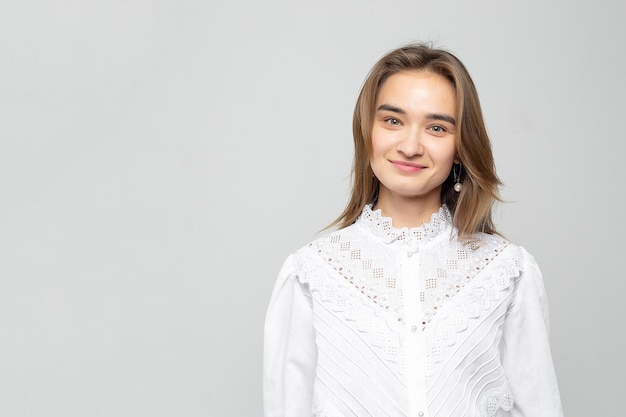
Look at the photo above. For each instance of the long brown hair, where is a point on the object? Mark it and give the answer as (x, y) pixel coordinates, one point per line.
(472, 207)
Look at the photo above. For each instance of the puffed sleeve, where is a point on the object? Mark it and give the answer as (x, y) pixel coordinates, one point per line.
(289, 348)
(526, 355)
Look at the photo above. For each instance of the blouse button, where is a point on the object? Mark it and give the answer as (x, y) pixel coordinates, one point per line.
(414, 329)
(421, 413)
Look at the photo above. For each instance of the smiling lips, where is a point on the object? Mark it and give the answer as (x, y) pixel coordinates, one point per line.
(407, 166)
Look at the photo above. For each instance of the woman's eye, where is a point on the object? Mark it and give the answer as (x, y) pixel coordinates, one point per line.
(438, 129)
(392, 121)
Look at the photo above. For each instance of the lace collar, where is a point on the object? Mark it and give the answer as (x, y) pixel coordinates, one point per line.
(382, 227)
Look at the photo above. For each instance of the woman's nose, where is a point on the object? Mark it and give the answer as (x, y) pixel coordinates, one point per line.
(411, 144)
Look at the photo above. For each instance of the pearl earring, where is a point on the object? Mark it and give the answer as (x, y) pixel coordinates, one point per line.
(457, 177)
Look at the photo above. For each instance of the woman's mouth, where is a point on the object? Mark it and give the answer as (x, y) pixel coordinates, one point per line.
(407, 166)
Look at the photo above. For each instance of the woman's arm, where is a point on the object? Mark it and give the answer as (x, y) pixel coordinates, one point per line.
(289, 352)
(526, 354)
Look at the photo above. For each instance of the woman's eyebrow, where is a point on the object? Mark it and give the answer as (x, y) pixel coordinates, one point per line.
(391, 108)
(441, 117)
(432, 116)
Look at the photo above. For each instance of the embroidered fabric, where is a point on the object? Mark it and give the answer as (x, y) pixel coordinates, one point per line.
(406, 238)
(347, 287)
(494, 401)
(448, 266)
(343, 297)
(376, 314)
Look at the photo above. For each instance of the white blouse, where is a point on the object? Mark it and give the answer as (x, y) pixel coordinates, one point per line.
(375, 321)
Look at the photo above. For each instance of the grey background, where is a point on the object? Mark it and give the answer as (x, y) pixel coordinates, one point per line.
(160, 159)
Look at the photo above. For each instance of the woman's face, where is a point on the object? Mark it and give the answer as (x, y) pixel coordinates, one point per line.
(413, 136)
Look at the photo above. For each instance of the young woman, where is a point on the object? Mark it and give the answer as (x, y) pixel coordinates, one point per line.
(415, 306)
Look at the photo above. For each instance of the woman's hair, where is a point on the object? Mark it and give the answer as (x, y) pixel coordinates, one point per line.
(472, 207)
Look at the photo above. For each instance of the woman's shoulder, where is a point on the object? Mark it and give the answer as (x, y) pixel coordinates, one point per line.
(498, 243)
(498, 248)
(512, 258)
(328, 240)
(315, 254)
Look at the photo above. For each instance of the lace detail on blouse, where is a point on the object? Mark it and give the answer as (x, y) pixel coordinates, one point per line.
(383, 227)
(348, 285)
(494, 401)
(357, 264)
(455, 266)
(374, 313)
(455, 293)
